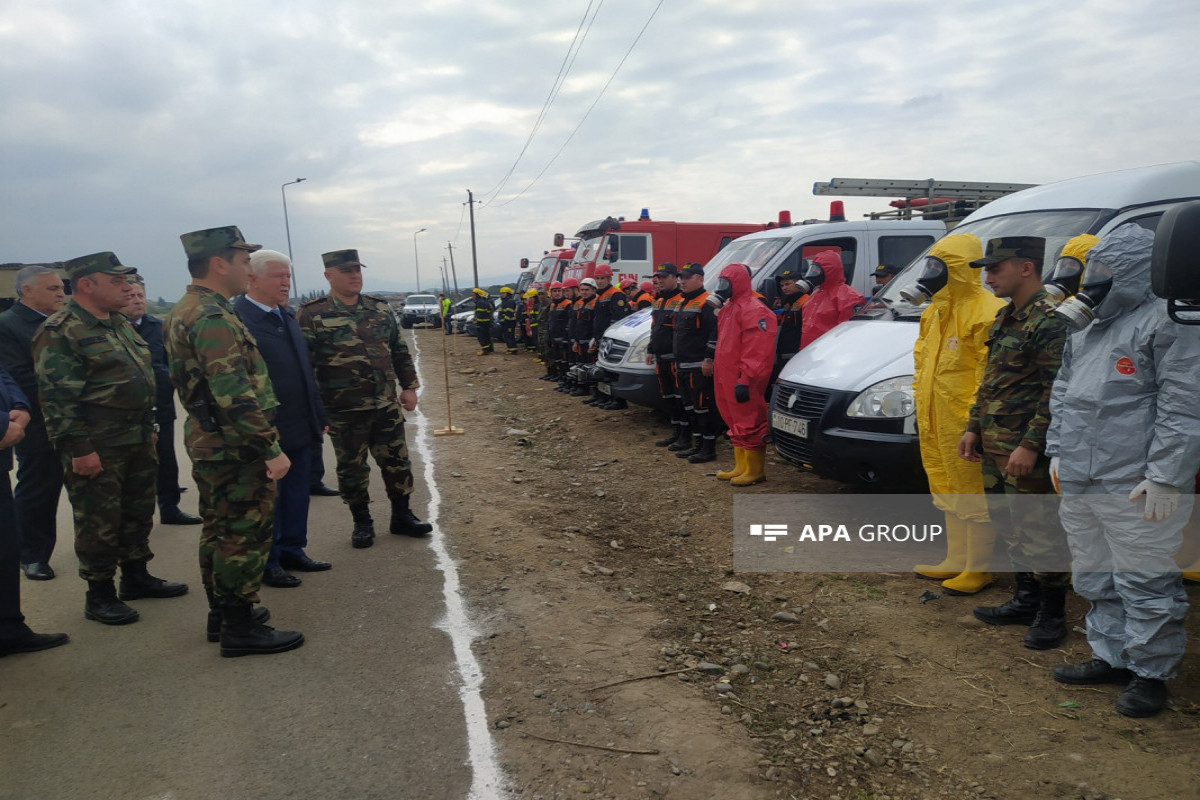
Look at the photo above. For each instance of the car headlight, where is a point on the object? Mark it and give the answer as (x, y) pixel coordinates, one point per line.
(891, 398)
(637, 353)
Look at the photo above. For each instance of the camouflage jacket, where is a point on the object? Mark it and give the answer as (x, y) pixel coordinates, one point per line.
(95, 381)
(1025, 347)
(357, 352)
(222, 381)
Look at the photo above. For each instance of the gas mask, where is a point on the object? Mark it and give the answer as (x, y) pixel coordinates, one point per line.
(1080, 310)
(810, 278)
(932, 280)
(1063, 280)
(722, 294)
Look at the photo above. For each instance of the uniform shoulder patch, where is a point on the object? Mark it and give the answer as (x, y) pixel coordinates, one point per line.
(315, 301)
(56, 319)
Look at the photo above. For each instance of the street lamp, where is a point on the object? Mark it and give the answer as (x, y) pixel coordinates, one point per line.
(416, 259)
(288, 230)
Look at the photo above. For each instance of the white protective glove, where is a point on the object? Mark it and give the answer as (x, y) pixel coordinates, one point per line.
(1161, 499)
(1054, 462)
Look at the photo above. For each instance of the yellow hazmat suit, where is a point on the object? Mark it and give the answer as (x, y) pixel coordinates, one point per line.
(949, 357)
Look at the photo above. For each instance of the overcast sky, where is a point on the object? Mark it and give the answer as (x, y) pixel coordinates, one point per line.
(124, 124)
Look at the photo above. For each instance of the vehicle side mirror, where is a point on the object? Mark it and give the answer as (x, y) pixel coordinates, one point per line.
(1175, 261)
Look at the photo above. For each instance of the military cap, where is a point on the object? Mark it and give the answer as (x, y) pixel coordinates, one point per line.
(884, 270)
(213, 240)
(667, 268)
(1006, 247)
(692, 269)
(105, 262)
(788, 274)
(341, 259)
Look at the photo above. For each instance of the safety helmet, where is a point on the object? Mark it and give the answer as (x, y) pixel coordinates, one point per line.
(531, 293)
(480, 292)
(603, 271)
(570, 283)
(627, 282)
(646, 286)
(589, 282)
(556, 285)
(506, 289)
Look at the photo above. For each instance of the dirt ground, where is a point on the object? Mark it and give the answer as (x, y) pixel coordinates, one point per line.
(596, 563)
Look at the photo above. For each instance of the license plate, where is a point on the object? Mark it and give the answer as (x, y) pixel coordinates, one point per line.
(796, 426)
(604, 387)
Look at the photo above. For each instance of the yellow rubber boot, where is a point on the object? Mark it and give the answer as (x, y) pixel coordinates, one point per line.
(739, 465)
(975, 576)
(1191, 573)
(753, 461)
(956, 552)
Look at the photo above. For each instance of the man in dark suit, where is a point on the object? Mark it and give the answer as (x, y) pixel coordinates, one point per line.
(300, 418)
(149, 328)
(39, 472)
(15, 635)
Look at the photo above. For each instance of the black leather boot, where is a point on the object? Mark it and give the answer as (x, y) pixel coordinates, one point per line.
(1020, 610)
(706, 452)
(242, 636)
(137, 582)
(692, 448)
(364, 526)
(212, 630)
(1143, 697)
(102, 605)
(683, 441)
(672, 438)
(405, 523)
(1049, 628)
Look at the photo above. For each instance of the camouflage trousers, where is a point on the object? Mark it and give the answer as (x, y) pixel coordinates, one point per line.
(1024, 512)
(381, 433)
(237, 502)
(114, 509)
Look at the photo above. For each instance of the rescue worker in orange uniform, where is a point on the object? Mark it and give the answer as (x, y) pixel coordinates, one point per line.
(694, 349)
(661, 353)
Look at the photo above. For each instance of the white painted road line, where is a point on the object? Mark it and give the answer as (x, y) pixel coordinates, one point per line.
(487, 782)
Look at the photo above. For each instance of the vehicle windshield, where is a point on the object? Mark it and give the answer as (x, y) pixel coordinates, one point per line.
(754, 253)
(545, 269)
(420, 300)
(1056, 227)
(587, 250)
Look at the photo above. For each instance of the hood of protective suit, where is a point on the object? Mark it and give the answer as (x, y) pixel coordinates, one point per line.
(739, 279)
(831, 263)
(1126, 251)
(1078, 247)
(957, 251)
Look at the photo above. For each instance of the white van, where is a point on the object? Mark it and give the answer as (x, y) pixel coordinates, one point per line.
(863, 245)
(843, 406)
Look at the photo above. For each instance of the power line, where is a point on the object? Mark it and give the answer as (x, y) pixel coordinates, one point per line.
(603, 89)
(564, 69)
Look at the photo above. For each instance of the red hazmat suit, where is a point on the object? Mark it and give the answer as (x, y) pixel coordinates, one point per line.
(745, 354)
(832, 303)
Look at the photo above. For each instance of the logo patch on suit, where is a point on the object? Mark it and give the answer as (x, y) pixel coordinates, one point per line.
(762, 325)
(1125, 366)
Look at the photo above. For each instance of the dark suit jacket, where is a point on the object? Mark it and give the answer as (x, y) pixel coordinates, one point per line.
(151, 331)
(300, 416)
(17, 327)
(10, 397)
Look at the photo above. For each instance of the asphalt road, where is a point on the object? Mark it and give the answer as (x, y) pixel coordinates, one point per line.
(369, 707)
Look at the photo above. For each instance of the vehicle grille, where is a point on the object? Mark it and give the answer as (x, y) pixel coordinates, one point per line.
(612, 350)
(810, 404)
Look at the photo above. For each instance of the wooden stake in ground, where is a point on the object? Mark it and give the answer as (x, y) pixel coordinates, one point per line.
(449, 430)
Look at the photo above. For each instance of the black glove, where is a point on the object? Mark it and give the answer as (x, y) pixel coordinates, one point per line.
(741, 393)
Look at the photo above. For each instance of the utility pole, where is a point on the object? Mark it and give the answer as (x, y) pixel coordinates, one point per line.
(453, 271)
(416, 258)
(474, 257)
(288, 230)
(445, 273)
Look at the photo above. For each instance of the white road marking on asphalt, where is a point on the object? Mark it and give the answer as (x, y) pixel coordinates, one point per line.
(487, 780)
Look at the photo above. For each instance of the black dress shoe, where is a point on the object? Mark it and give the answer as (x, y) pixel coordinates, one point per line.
(303, 563)
(1143, 697)
(32, 643)
(321, 490)
(279, 578)
(37, 571)
(1091, 673)
(171, 515)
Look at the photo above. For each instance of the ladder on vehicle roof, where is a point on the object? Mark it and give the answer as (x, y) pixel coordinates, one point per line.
(948, 201)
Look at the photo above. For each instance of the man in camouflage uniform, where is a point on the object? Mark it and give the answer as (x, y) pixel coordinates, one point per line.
(97, 391)
(358, 356)
(1006, 433)
(236, 457)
